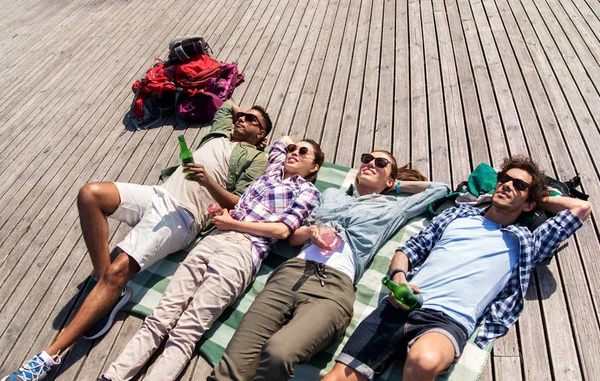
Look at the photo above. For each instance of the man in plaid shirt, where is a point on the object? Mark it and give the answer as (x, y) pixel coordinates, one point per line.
(472, 267)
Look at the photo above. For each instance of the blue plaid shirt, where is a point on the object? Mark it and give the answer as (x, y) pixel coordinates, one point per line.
(506, 308)
(270, 198)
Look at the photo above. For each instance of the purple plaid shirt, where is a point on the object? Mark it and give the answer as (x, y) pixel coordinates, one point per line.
(270, 198)
(504, 311)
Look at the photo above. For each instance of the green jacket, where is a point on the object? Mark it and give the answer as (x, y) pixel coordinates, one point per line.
(246, 163)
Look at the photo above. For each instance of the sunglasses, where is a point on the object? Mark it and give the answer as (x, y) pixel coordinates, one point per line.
(380, 162)
(519, 184)
(292, 147)
(250, 118)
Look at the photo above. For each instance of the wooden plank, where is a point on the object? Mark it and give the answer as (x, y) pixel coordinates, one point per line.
(244, 27)
(495, 137)
(503, 92)
(302, 113)
(18, 124)
(365, 134)
(64, 154)
(568, 48)
(282, 37)
(570, 89)
(586, 23)
(291, 94)
(440, 154)
(591, 18)
(401, 142)
(333, 116)
(252, 54)
(354, 89)
(420, 139)
(534, 350)
(59, 142)
(470, 101)
(563, 354)
(531, 124)
(384, 122)
(279, 80)
(506, 369)
(455, 124)
(324, 91)
(584, 323)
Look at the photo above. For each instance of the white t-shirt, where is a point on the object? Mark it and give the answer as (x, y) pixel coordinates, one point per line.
(341, 259)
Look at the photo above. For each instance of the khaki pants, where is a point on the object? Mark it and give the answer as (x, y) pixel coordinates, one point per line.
(293, 318)
(214, 274)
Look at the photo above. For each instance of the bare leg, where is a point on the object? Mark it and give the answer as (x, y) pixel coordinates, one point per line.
(430, 355)
(95, 202)
(98, 303)
(343, 372)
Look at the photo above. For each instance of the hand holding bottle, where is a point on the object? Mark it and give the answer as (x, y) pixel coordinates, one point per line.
(403, 295)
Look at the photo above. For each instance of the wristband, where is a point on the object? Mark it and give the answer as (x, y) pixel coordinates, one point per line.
(396, 271)
(398, 182)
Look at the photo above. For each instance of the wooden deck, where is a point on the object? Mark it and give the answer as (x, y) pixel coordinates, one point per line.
(445, 85)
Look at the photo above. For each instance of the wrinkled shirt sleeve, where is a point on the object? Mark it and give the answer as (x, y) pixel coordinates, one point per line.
(419, 202)
(276, 159)
(303, 205)
(551, 233)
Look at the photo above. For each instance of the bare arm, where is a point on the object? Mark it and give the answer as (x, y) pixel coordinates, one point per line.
(226, 199)
(277, 230)
(399, 261)
(413, 186)
(580, 208)
(302, 235)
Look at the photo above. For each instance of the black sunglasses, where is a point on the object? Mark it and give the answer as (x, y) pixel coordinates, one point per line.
(519, 184)
(250, 118)
(292, 147)
(380, 162)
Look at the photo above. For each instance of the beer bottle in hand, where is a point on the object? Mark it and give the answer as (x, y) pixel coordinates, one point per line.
(185, 155)
(403, 294)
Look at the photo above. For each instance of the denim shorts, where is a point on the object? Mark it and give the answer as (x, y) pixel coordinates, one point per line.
(387, 334)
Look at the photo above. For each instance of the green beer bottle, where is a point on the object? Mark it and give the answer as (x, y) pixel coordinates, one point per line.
(185, 155)
(403, 294)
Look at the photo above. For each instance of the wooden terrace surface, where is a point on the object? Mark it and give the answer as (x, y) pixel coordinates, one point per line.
(443, 84)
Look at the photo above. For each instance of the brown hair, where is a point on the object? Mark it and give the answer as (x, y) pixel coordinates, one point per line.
(404, 173)
(539, 185)
(319, 158)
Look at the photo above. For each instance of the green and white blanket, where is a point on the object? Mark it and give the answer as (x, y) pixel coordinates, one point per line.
(149, 285)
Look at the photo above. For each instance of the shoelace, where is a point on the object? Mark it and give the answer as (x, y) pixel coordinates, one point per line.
(34, 367)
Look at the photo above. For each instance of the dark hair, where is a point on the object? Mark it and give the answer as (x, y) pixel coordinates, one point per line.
(539, 185)
(268, 124)
(319, 158)
(404, 173)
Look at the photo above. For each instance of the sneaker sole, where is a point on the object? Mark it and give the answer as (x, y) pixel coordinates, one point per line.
(113, 313)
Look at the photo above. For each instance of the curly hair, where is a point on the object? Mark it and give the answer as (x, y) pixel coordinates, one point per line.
(539, 184)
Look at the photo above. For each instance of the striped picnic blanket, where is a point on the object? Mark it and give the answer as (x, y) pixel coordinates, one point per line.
(149, 285)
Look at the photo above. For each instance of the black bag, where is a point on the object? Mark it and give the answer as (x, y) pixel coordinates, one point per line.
(181, 49)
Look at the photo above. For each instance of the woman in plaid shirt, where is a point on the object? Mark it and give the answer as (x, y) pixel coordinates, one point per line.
(218, 270)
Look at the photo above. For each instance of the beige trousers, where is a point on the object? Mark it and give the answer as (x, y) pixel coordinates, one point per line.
(213, 275)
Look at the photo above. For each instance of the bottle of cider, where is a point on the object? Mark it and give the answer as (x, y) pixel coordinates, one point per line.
(185, 155)
(403, 294)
